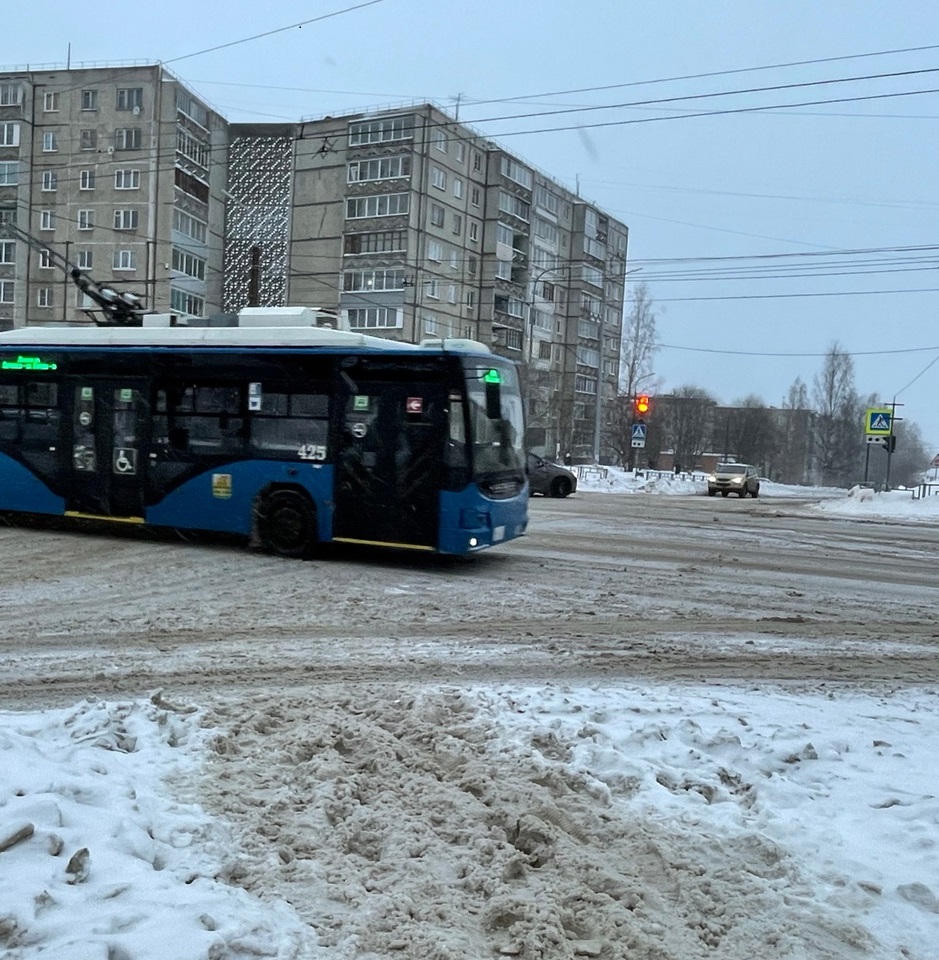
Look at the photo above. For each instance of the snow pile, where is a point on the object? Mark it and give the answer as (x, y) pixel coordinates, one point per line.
(556, 821)
(98, 860)
(859, 501)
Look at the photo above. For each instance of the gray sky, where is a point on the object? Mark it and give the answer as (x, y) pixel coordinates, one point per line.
(807, 192)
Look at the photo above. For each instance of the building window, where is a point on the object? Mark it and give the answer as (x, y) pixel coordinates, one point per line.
(50, 102)
(126, 179)
(182, 301)
(86, 219)
(9, 134)
(89, 99)
(460, 151)
(126, 219)
(47, 220)
(383, 168)
(192, 108)
(86, 179)
(7, 252)
(440, 140)
(50, 142)
(457, 224)
(85, 259)
(188, 264)
(513, 339)
(127, 138)
(429, 322)
(592, 275)
(509, 203)
(130, 98)
(50, 180)
(438, 178)
(475, 196)
(385, 241)
(584, 384)
(546, 231)
(474, 232)
(437, 214)
(381, 131)
(588, 357)
(44, 297)
(432, 288)
(88, 139)
(9, 173)
(366, 281)
(470, 300)
(477, 161)
(545, 351)
(125, 260)
(458, 188)
(11, 94)
(472, 265)
(435, 251)
(45, 259)
(6, 291)
(373, 318)
(451, 293)
(548, 201)
(454, 259)
(192, 149)
(189, 226)
(516, 173)
(383, 205)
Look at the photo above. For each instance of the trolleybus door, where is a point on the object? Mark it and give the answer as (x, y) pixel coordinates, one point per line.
(107, 461)
(388, 468)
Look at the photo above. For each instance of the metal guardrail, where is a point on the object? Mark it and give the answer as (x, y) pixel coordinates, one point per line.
(928, 489)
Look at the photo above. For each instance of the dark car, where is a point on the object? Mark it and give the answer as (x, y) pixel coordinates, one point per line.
(549, 479)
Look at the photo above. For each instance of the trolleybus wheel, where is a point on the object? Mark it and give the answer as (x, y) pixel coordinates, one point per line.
(287, 524)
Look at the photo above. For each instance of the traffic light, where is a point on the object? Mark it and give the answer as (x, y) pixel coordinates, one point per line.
(642, 405)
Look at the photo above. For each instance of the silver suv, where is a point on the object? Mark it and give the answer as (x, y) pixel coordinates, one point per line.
(739, 478)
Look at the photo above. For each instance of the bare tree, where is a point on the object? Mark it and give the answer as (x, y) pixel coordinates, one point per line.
(684, 422)
(637, 352)
(795, 421)
(837, 423)
(749, 430)
(639, 343)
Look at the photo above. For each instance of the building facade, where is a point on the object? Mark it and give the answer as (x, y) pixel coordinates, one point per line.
(402, 223)
(408, 224)
(119, 172)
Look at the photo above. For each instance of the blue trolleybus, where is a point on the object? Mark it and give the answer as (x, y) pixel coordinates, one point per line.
(292, 436)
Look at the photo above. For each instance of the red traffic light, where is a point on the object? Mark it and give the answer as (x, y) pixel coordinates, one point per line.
(643, 404)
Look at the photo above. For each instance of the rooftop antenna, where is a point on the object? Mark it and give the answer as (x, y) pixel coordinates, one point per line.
(68, 58)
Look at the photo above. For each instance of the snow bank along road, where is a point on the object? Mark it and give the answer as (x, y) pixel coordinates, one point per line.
(360, 746)
(604, 587)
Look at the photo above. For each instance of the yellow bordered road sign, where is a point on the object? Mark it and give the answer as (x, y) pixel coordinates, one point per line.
(878, 422)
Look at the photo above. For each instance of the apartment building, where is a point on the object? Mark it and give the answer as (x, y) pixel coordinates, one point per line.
(408, 224)
(401, 223)
(119, 172)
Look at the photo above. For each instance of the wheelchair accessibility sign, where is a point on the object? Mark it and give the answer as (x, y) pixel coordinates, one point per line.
(125, 461)
(878, 422)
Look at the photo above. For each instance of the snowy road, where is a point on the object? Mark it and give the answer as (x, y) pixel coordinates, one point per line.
(603, 588)
(665, 727)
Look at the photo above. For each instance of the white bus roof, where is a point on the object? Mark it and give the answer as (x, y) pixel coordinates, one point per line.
(183, 336)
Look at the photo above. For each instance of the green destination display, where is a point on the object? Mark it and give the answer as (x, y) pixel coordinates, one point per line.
(26, 363)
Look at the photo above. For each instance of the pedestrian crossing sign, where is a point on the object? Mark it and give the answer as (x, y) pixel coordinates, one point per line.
(878, 422)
